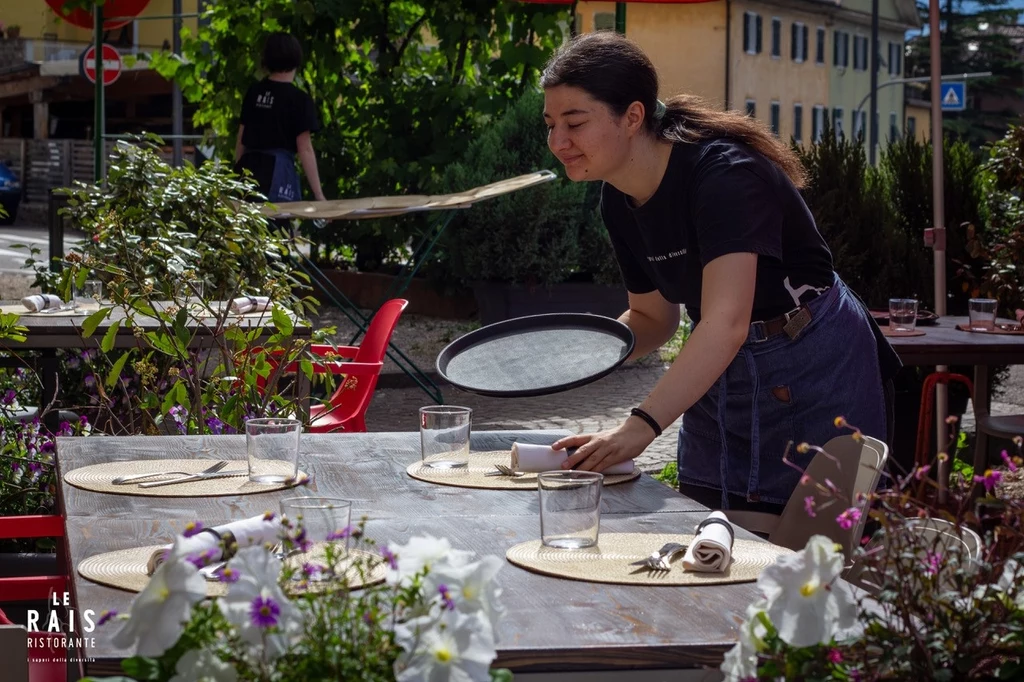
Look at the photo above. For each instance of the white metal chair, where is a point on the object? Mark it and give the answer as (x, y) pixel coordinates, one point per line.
(853, 466)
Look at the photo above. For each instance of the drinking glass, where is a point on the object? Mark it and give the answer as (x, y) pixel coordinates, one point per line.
(902, 314)
(444, 436)
(982, 312)
(273, 449)
(570, 508)
(89, 294)
(324, 519)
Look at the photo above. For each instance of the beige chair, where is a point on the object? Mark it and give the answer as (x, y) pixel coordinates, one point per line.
(1004, 426)
(854, 468)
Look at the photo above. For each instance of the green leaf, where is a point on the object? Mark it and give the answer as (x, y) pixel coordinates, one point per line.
(141, 668)
(502, 675)
(90, 323)
(283, 321)
(115, 371)
(107, 344)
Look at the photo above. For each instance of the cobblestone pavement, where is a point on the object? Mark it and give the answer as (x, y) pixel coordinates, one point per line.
(600, 405)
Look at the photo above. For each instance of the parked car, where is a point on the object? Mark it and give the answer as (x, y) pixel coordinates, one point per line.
(10, 193)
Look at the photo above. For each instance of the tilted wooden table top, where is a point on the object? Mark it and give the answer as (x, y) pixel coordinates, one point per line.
(551, 624)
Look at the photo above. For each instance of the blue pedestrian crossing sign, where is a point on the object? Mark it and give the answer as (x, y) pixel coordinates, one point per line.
(954, 96)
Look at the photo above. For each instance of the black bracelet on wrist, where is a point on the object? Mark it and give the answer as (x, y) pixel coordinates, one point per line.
(651, 421)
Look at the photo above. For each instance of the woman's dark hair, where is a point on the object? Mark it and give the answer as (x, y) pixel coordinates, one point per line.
(614, 70)
(282, 53)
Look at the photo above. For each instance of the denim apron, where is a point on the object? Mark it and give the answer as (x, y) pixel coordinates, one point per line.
(284, 181)
(780, 390)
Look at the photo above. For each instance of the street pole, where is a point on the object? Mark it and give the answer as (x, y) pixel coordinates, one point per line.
(99, 116)
(176, 103)
(938, 223)
(620, 17)
(873, 65)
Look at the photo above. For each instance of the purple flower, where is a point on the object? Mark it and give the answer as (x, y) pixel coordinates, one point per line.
(369, 618)
(35, 467)
(390, 557)
(269, 516)
(848, 518)
(9, 396)
(90, 380)
(215, 425)
(835, 656)
(264, 612)
(83, 421)
(340, 534)
(193, 528)
(446, 597)
(105, 617)
(809, 506)
(201, 559)
(1009, 461)
(227, 575)
(989, 480)
(921, 472)
(311, 570)
(932, 562)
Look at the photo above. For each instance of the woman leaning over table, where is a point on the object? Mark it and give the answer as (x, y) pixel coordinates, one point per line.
(703, 209)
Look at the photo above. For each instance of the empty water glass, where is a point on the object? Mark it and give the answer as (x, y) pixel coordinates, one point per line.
(89, 293)
(272, 446)
(322, 520)
(444, 436)
(902, 314)
(982, 312)
(570, 508)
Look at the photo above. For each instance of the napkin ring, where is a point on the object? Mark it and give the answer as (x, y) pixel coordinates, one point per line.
(710, 520)
(227, 542)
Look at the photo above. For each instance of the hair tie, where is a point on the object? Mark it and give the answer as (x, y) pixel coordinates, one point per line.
(660, 109)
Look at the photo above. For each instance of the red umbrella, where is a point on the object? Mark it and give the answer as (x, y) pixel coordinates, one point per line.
(111, 8)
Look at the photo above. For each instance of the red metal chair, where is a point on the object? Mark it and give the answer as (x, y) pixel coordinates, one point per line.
(346, 408)
(47, 664)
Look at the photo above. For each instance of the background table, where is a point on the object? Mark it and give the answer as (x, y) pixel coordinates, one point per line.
(551, 624)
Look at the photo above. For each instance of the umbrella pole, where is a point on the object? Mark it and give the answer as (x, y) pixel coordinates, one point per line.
(620, 17)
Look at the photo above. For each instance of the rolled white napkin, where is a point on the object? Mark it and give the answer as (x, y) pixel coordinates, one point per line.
(711, 550)
(38, 302)
(255, 531)
(536, 458)
(249, 304)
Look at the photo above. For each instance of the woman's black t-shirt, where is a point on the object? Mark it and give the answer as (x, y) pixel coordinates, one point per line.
(717, 197)
(274, 114)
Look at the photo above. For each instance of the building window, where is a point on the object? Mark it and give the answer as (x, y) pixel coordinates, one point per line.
(752, 33)
(751, 108)
(837, 122)
(895, 59)
(911, 126)
(604, 21)
(776, 113)
(776, 37)
(798, 122)
(860, 53)
(860, 121)
(841, 49)
(818, 123)
(798, 44)
(819, 56)
(894, 129)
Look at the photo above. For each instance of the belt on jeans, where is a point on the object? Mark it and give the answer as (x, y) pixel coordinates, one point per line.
(791, 324)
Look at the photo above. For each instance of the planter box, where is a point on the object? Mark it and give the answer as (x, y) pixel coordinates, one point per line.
(367, 289)
(500, 301)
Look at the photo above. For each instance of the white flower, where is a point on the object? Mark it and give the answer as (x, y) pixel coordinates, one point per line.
(423, 551)
(257, 606)
(458, 648)
(160, 612)
(203, 666)
(471, 587)
(740, 662)
(805, 602)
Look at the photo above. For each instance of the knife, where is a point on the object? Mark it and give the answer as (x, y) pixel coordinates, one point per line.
(195, 477)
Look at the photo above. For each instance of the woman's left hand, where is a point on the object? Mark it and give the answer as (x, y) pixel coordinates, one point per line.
(598, 451)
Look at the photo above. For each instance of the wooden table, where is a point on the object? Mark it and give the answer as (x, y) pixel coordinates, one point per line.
(49, 333)
(551, 625)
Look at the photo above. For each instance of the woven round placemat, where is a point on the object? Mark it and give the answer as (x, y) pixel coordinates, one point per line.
(481, 463)
(609, 561)
(903, 332)
(126, 570)
(998, 329)
(97, 478)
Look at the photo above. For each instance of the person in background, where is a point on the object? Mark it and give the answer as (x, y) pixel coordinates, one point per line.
(276, 123)
(703, 209)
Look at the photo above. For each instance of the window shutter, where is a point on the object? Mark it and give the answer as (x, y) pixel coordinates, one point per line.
(746, 31)
(835, 48)
(804, 34)
(793, 53)
(757, 32)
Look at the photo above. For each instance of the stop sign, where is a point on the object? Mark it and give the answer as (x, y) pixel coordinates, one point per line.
(125, 9)
(111, 64)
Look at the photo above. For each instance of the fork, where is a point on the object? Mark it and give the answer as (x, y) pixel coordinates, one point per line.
(122, 480)
(503, 470)
(661, 559)
(195, 477)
